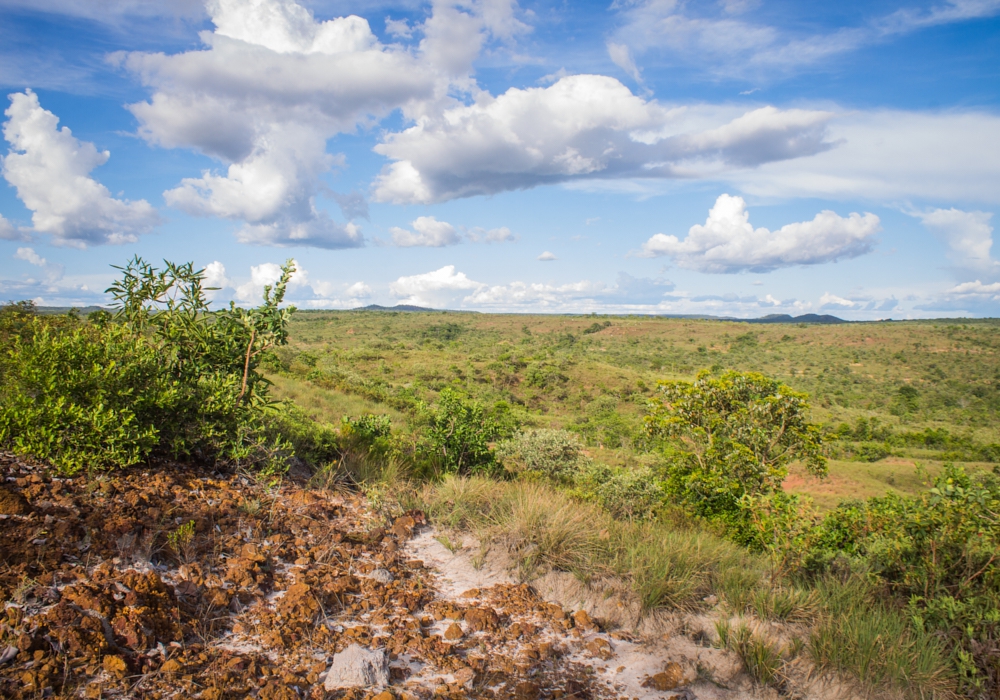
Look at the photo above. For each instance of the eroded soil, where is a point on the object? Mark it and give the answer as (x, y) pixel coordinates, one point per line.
(186, 582)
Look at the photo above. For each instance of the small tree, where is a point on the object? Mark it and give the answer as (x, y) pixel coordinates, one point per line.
(730, 439)
(461, 430)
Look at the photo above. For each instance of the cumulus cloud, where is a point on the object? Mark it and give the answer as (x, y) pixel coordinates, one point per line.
(427, 232)
(966, 298)
(53, 272)
(583, 126)
(303, 290)
(50, 169)
(398, 28)
(727, 243)
(435, 288)
(359, 290)
(832, 300)
(272, 85)
(967, 234)
(264, 95)
(976, 287)
(547, 257)
(265, 274)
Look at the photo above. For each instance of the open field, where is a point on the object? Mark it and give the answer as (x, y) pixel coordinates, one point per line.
(594, 375)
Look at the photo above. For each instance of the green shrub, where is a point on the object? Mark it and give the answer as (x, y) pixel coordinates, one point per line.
(163, 375)
(936, 553)
(731, 437)
(552, 454)
(83, 397)
(460, 431)
(604, 426)
(626, 493)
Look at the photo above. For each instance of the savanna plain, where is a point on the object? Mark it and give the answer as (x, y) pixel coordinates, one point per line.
(218, 504)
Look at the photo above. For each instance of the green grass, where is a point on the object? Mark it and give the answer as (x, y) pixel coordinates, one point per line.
(666, 566)
(554, 375)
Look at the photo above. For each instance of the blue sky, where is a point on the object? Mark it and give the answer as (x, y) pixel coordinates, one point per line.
(739, 157)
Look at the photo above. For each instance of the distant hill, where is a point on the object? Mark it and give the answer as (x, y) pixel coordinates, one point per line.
(398, 307)
(785, 318)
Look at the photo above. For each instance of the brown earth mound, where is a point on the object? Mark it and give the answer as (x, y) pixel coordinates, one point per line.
(188, 582)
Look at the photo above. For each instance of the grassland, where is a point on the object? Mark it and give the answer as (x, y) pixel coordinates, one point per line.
(593, 375)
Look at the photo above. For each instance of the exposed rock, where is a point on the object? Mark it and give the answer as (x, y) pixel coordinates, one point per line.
(671, 677)
(358, 667)
(481, 619)
(454, 632)
(582, 620)
(600, 648)
(13, 503)
(382, 576)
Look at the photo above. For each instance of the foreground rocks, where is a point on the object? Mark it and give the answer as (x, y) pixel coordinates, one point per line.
(185, 582)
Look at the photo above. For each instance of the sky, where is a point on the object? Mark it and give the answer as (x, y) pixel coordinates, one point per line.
(731, 157)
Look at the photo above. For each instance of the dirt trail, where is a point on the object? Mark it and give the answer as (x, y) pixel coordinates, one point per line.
(182, 582)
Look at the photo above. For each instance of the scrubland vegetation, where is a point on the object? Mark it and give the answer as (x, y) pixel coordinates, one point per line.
(837, 478)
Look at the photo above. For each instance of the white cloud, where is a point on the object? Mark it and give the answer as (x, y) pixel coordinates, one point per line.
(53, 272)
(967, 298)
(268, 274)
(428, 232)
(832, 300)
(622, 58)
(725, 45)
(398, 28)
(967, 234)
(271, 86)
(359, 290)
(727, 243)
(437, 288)
(584, 126)
(891, 156)
(976, 287)
(303, 290)
(547, 257)
(215, 276)
(29, 255)
(50, 169)
(627, 294)
(9, 233)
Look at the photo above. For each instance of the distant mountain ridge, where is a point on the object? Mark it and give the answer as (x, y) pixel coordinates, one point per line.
(770, 318)
(785, 318)
(398, 307)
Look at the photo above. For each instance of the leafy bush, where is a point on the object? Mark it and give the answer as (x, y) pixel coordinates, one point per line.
(82, 397)
(730, 437)
(936, 552)
(162, 375)
(626, 493)
(460, 431)
(367, 427)
(553, 454)
(604, 426)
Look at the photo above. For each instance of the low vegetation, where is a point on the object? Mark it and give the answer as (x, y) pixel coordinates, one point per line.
(837, 480)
